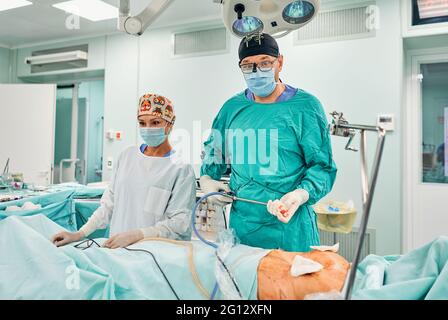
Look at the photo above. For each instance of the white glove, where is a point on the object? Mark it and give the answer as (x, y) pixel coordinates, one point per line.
(287, 206)
(124, 239)
(208, 185)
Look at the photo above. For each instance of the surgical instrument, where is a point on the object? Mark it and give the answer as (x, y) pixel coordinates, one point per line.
(232, 196)
(340, 127)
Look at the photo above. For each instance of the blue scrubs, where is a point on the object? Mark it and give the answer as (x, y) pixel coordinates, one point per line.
(289, 93)
(143, 148)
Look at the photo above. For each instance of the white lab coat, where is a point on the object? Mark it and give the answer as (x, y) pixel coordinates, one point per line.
(153, 194)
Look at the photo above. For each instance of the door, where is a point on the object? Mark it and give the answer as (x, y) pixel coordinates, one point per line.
(70, 139)
(427, 152)
(73, 167)
(79, 132)
(27, 113)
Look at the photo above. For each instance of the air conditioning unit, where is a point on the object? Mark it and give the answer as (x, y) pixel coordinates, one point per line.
(57, 57)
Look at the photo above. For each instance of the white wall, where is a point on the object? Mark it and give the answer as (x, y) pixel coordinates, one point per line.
(4, 65)
(121, 95)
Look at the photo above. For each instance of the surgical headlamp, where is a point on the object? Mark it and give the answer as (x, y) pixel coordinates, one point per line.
(274, 17)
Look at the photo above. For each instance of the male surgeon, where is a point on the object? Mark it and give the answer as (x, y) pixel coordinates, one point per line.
(275, 139)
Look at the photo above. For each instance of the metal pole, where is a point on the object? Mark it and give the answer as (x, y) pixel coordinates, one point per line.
(367, 207)
(359, 127)
(364, 172)
(74, 133)
(74, 137)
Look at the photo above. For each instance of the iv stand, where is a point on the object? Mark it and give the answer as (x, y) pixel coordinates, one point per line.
(340, 127)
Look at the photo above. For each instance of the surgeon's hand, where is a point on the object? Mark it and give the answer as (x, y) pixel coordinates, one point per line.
(123, 240)
(285, 208)
(208, 185)
(64, 238)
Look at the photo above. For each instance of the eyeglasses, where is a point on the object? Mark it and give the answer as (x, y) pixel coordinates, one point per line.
(263, 66)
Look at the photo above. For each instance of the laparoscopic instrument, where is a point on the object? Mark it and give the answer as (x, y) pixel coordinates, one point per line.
(212, 244)
(232, 196)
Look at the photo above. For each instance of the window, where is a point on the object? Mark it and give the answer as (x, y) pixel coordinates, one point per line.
(435, 122)
(429, 11)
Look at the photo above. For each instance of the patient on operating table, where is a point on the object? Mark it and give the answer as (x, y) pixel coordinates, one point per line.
(316, 272)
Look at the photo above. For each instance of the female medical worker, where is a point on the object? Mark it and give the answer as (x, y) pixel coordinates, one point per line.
(296, 171)
(152, 194)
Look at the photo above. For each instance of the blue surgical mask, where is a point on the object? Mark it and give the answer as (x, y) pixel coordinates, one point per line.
(262, 84)
(153, 137)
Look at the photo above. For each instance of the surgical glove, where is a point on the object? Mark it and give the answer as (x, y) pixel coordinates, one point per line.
(64, 238)
(124, 239)
(208, 185)
(287, 206)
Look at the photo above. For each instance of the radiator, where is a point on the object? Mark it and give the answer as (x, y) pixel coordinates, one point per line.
(348, 243)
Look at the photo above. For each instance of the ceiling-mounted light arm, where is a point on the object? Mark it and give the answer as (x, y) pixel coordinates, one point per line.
(124, 10)
(138, 24)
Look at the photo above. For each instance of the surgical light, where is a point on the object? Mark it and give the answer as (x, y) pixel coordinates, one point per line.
(298, 12)
(274, 17)
(247, 25)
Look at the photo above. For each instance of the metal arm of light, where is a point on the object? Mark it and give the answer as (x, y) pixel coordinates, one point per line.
(340, 127)
(136, 25)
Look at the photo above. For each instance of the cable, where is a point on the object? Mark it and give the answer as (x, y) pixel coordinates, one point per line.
(215, 246)
(230, 275)
(91, 242)
(158, 266)
(194, 273)
(215, 291)
(193, 218)
(89, 245)
(224, 217)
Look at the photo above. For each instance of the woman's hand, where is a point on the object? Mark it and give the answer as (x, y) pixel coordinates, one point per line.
(123, 240)
(64, 238)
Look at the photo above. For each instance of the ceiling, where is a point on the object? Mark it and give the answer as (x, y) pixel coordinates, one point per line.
(41, 22)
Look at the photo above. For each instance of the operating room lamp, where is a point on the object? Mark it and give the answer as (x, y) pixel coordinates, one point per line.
(275, 17)
(241, 17)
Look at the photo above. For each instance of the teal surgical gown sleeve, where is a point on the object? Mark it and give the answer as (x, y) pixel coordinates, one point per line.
(214, 162)
(315, 143)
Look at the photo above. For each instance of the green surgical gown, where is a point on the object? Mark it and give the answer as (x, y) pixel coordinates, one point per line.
(272, 149)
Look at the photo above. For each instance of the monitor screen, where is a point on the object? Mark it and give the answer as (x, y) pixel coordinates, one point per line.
(429, 11)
